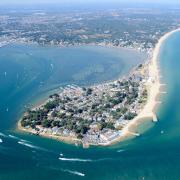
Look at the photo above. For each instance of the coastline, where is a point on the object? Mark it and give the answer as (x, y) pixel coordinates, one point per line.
(66, 139)
(148, 111)
(154, 85)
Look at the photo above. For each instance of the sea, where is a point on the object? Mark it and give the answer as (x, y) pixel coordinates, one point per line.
(30, 73)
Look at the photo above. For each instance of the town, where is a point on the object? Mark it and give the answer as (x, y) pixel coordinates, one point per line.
(123, 27)
(94, 115)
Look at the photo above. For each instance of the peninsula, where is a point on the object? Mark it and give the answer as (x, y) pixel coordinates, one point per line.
(101, 114)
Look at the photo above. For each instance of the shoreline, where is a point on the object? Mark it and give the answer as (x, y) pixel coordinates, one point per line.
(154, 85)
(148, 111)
(66, 139)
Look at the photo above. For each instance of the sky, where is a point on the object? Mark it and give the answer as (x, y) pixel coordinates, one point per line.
(87, 1)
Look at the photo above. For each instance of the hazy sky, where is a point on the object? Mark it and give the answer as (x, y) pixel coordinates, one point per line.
(86, 1)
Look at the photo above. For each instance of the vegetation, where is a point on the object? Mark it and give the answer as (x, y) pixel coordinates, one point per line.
(51, 105)
(75, 110)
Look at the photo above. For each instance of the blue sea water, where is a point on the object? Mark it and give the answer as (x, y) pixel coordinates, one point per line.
(154, 156)
(28, 74)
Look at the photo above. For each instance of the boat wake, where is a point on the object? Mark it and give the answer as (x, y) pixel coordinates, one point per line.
(16, 138)
(73, 172)
(24, 143)
(75, 159)
(83, 160)
(13, 137)
(103, 159)
(67, 171)
(120, 150)
(23, 140)
(2, 135)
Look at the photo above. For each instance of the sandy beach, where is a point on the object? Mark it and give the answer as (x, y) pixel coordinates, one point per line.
(153, 86)
(67, 139)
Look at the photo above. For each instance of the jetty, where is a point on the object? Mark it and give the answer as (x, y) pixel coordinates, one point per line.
(163, 92)
(155, 119)
(163, 84)
(134, 134)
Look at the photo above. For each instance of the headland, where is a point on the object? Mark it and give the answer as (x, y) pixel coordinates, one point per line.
(102, 114)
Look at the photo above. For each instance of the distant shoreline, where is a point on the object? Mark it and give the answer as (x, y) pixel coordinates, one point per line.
(148, 112)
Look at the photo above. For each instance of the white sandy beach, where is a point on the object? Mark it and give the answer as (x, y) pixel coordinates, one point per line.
(148, 112)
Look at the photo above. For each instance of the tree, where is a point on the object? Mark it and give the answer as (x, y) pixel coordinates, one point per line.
(89, 91)
(46, 123)
(79, 136)
(108, 125)
(130, 115)
(55, 95)
(24, 123)
(80, 111)
(84, 129)
(55, 123)
(51, 105)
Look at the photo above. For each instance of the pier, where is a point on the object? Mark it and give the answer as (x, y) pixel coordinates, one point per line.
(155, 119)
(135, 134)
(159, 102)
(163, 92)
(163, 84)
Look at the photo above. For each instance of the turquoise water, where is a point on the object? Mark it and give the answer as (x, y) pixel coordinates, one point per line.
(27, 75)
(154, 155)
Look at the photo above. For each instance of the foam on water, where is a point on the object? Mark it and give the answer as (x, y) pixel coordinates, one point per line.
(1, 140)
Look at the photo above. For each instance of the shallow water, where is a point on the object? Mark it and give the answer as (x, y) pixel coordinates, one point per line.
(30, 73)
